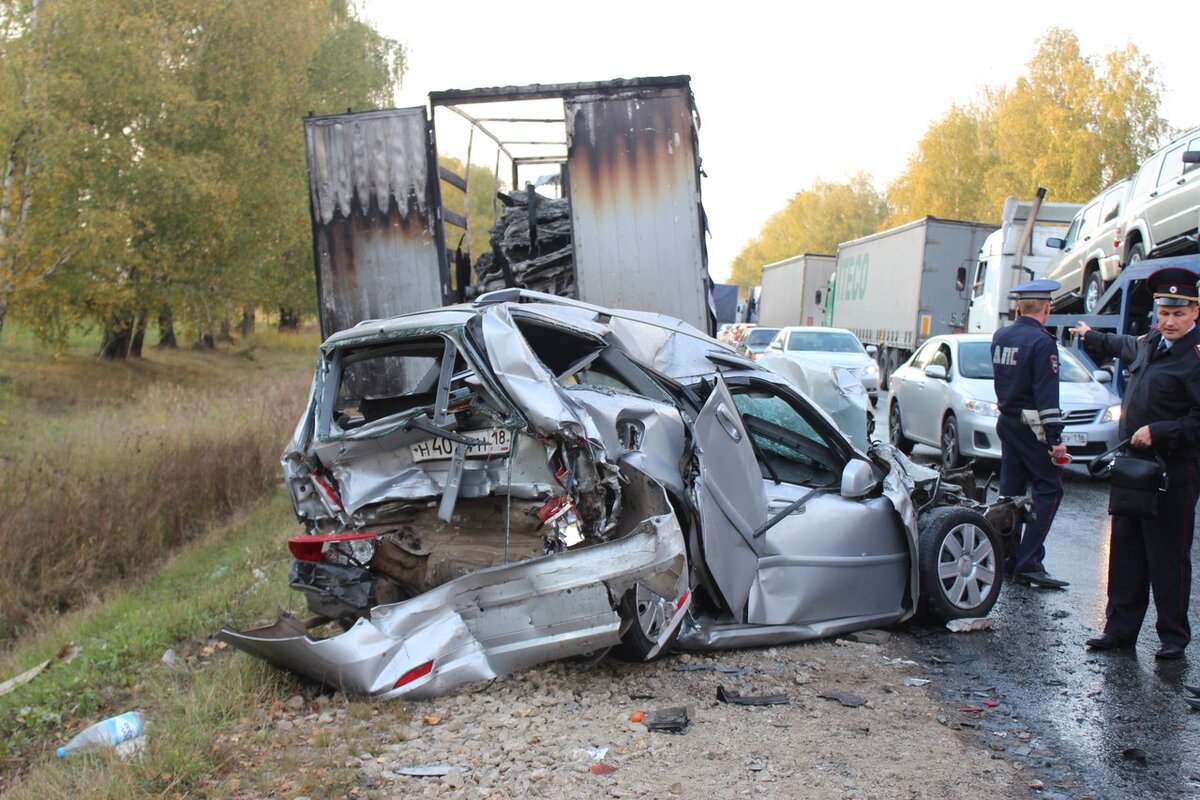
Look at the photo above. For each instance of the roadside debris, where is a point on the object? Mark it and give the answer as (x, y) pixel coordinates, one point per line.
(737, 699)
(970, 624)
(112, 733)
(429, 771)
(65, 655)
(669, 720)
(910, 681)
(845, 698)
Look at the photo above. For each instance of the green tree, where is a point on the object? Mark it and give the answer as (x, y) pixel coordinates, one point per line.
(154, 154)
(813, 221)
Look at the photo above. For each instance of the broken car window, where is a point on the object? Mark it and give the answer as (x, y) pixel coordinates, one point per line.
(793, 450)
(381, 381)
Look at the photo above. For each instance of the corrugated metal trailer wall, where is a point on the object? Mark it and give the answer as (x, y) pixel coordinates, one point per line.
(633, 172)
(375, 199)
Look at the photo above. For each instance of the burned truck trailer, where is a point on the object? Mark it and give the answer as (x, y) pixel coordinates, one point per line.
(626, 229)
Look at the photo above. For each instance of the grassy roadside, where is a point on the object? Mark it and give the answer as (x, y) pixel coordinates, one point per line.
(236, 573)
(111, 465)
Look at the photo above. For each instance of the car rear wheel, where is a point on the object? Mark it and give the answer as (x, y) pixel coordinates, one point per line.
(960, 559)
(1093, 289)
(896, 430)
(951, 453)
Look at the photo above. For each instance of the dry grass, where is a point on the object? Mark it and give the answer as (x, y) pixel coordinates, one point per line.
(109, 466)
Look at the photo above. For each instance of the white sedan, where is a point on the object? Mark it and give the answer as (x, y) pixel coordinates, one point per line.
(826, 348)
(944, 396)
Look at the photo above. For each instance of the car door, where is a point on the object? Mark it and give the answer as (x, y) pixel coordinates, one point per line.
(822, 557)
(909, 385)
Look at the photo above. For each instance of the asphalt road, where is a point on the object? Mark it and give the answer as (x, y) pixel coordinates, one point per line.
(1105, 725)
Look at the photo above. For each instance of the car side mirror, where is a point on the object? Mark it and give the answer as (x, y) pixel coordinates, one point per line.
(960, 279)
(1102, 375)
(936, 371)
(1056, 243)
(818, 297)
(1191, 157)
(858, 479)
(872, 350)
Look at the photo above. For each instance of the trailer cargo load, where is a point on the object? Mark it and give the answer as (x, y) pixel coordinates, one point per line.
(618, 162)
(789, 290)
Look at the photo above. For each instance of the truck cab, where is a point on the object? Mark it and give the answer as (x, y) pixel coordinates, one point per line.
(998, 268)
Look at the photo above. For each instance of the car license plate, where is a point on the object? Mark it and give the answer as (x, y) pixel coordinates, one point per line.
(493, 442)
(1074, 439)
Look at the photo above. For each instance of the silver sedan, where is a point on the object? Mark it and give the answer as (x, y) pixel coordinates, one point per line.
(944, 397)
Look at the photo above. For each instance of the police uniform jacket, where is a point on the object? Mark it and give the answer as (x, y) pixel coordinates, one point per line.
(1163, 391)
(1025, 365)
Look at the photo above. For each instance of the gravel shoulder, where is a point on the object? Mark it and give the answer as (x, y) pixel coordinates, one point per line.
(564, 730)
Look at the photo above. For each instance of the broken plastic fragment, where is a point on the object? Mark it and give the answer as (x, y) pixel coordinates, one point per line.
(969, 624)
(751, 700)
(430, 771)
(845, 698)
(668, 720)
(910, 681)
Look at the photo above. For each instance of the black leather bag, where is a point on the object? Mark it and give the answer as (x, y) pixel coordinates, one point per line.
(1137, 481)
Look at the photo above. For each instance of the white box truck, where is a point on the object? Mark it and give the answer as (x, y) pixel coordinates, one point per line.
(896, 288)
(1015, 253)
(789, 290)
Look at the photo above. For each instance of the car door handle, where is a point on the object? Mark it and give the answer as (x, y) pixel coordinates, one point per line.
(1181, 182)
(728, 422)
(1154, 193)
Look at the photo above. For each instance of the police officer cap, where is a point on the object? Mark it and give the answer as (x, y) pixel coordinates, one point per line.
(1172, 286)
(1035, 290)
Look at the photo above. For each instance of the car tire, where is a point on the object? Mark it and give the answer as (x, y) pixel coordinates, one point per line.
(1136, 254)
(1093, 290)
(896, 430)
(645, 624)
(961, 564)
(951, 451)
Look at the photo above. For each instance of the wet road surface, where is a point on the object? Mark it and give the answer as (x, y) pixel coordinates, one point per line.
(1092, 724)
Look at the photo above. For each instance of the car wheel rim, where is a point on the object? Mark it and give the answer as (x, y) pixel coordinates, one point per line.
(894, 426)
(966, 566)
(1134, 257)
(1091, 297)
(651, 612)
(949, 446)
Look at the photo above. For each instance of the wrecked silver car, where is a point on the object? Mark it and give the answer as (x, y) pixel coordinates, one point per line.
(487, 487)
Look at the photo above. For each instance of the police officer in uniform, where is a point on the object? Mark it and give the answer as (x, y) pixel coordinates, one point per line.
(1025, 364)
(1160, 412)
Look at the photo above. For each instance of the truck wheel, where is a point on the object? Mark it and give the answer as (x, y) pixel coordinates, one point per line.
(1138, 253)
(951, 454)
(959, 557)
(1093, 288)
(896, 430)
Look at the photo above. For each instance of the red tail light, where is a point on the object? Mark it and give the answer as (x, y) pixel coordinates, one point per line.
(414, 673)
(310, 548)
(1117, 236)
(327, 493)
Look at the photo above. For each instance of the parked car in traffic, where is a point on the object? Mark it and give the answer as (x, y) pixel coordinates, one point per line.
(1164, 204)
(944, 397)
(756, 340)
(1089, 259)
(821, 347)
(490, 486)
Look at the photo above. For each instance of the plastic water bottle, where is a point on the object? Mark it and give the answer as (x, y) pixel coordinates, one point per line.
(105, 734)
